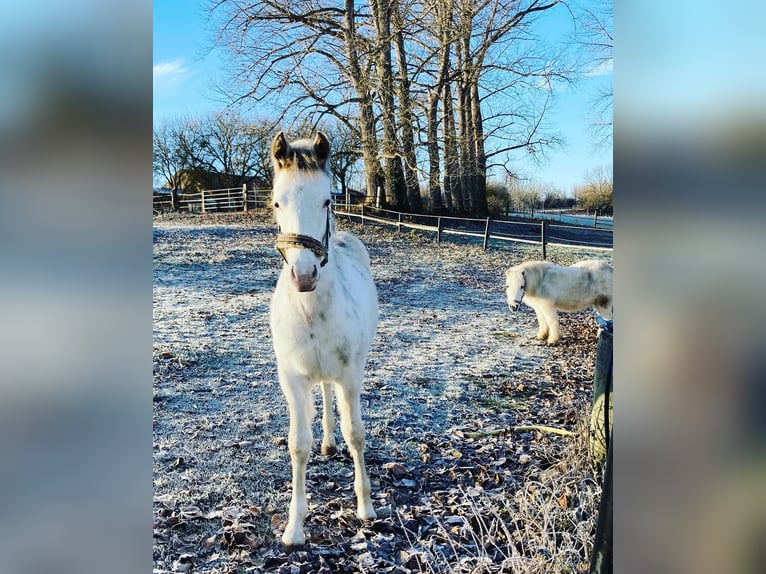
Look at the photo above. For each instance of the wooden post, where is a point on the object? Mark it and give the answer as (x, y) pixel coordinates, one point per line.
(603, 556)
(244, 197)
(601, 445)
(601, 406)
(486, 235)
(438, 230)
(203, 200)
(542, 238)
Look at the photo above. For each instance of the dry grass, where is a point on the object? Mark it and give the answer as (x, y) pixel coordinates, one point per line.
(545, 525)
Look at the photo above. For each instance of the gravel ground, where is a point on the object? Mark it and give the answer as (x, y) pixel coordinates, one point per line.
(450, 374)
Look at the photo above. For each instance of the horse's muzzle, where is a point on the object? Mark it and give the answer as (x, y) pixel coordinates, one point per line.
(304, 282)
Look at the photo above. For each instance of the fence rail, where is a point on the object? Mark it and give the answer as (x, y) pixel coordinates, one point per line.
(543, 233)
(214, 200)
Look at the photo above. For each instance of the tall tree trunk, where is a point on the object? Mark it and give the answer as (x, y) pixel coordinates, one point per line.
(452, 195)
(392, 172)
(467, 148)
(479, 200)
(372, 168)
(405, 115)
(434, 175)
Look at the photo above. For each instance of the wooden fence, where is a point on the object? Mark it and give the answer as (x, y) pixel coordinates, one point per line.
(541, 233)
(214, 200)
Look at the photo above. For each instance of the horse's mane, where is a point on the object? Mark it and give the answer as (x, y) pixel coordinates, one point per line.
(533, 271)
(304, 158)
(301, 154)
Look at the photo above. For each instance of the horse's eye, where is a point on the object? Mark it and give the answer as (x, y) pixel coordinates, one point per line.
(276, 205)
(326, 203)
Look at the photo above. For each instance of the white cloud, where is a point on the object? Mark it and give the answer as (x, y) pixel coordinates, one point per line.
(170, 73)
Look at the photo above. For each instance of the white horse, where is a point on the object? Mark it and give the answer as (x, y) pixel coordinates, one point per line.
(547, 288)
(324, 314)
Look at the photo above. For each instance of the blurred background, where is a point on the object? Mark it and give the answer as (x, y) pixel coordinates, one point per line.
(76, 287)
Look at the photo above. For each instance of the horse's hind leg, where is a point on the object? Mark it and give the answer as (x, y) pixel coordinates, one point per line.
(353, 432)
(300, 401)
(328, 420)
(603, 306)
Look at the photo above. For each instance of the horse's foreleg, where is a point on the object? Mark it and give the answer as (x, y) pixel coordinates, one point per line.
(552, 320)
(542, 325)
(300, 402)
(353, 432)
(328, 420)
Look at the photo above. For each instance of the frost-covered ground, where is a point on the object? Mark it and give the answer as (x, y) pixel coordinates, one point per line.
(451, 372)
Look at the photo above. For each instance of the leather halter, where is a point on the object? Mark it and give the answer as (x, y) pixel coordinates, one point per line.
(517, 302)
(320, 249)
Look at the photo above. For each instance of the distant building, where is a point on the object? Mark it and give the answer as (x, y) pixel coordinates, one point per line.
(196, 179)
(354, 197)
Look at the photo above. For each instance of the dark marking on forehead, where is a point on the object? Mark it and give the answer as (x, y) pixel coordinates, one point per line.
(303, 155)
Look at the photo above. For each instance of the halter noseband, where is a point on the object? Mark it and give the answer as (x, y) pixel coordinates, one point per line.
(321, 249)
(517, 301)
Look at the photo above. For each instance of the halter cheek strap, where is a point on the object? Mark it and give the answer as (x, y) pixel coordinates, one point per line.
(288, 240)
(518, 298)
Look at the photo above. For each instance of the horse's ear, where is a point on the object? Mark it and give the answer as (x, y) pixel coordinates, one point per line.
(280, 150)
(321, 147)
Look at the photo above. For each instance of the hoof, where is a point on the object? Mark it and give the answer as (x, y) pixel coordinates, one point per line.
(366, 513)
(293, 537)
(328, 450)
(293, 544)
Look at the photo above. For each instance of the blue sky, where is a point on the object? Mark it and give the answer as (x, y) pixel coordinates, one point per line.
(185, 69)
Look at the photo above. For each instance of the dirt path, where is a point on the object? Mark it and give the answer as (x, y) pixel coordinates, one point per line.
(450, 373)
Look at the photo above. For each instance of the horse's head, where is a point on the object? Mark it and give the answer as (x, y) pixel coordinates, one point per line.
(515, 283)
(301, 200)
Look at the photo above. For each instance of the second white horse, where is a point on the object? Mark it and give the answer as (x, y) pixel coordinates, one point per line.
(548, 288)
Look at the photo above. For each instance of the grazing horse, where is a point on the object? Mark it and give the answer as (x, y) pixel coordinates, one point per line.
(547, 288)
(324, 314)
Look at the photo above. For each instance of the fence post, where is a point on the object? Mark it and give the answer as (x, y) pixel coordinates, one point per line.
(542, 239)
(399, 222)
(486, 234)
(438, 230)
(601, 445)
(363, 215)
(203, 200)
(595, 218)
(601, 406)
(244, 197)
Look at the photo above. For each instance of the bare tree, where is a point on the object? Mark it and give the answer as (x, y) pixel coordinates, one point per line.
(596, 193)
(472, 66)
(222, 149)
(597, 36)
(231, 149)
(346, 153)
(172, 154)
